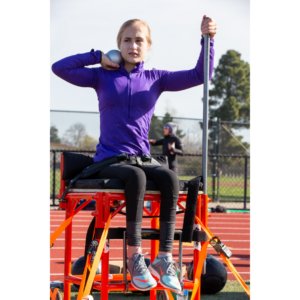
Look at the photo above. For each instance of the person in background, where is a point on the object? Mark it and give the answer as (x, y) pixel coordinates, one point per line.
(172, 145)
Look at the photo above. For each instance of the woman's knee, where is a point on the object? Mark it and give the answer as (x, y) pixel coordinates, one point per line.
(169, 180)
(136, 175)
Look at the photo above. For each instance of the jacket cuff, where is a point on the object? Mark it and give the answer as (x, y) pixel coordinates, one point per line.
(97, 53)
(211, 41)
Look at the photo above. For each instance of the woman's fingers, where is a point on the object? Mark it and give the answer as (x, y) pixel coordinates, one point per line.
(209, 27)
(107, 64)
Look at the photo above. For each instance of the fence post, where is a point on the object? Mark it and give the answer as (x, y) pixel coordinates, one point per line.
(54, 173)
(245, 181)
(214, 159)
(219, 152)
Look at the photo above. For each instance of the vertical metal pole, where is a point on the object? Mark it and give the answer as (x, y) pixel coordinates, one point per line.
(218, 173)
(68, 252)
(205, 110)
(214, 171)
(245, 181)
(180, 256)
(53, 181)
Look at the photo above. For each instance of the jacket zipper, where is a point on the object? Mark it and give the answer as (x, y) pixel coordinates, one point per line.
(129, 96)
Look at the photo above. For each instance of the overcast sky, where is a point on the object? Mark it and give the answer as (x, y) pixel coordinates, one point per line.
(78, 26)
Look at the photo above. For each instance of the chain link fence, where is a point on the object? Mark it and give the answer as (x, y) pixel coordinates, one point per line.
(228, 181)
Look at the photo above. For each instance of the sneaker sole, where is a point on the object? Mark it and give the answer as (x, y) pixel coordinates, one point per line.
(153, 272)
(141, 289)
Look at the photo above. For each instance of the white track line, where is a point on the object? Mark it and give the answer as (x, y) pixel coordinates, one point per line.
(239, 241)
(178, 217)
(61, 274)
(231, 233)
(184, 258)
(148, 248)
(113, 222)
(248, 228)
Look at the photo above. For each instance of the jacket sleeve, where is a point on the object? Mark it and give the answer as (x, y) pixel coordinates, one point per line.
(73, 69)
(157, 143)
(181, 80)
(178, 147)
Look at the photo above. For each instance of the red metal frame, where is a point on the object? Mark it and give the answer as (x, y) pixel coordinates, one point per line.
(103, 202)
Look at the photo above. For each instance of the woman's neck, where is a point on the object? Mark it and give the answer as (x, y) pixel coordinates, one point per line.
(128, 67)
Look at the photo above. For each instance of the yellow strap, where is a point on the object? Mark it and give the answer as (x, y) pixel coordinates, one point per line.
(87, 268)
(82, 284)
(227, 261)
(198, 269)
(59, 230)
(66, 223)
(93, 271)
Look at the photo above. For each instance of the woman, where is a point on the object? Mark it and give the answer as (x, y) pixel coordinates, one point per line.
(172, 145)
(127, 95)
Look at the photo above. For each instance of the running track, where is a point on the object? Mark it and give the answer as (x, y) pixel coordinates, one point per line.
(232, 228)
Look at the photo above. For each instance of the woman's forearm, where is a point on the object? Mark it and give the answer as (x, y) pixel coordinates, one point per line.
(73, 69)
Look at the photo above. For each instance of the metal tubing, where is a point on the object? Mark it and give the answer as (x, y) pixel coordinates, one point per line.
(218, 172)
(68, 253)
(245, 182)
(154, 243)
(105, 256)
(214, 158)
(180, 256)
(196, 251)
(124, 258)
(205, 110)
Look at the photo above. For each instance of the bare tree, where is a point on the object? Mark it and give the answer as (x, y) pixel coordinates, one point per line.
(74, 135)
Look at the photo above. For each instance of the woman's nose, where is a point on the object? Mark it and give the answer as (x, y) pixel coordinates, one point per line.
(133, 45)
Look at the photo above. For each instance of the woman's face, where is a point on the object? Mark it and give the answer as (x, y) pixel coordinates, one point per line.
(134, 44)
(166, 131)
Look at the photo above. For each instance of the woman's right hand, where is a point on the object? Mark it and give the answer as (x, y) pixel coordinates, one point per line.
(107, 64)
(152, 141)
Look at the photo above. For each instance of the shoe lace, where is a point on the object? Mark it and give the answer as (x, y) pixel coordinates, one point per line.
(172, 267)
(139, 263)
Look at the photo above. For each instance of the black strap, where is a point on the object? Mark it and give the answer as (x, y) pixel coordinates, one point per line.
(190, 210)
(90, 170)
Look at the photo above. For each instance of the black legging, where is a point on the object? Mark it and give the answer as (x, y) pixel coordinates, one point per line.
(135, 186)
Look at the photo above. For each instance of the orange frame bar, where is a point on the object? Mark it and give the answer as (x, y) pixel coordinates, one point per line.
(103, 202)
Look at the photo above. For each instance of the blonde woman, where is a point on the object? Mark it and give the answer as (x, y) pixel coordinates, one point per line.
(127, 94)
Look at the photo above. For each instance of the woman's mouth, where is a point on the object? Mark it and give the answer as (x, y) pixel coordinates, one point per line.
(133, 54)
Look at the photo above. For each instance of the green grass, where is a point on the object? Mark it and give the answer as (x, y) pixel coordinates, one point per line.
(57, 181)
(232, 291)
(226, 192)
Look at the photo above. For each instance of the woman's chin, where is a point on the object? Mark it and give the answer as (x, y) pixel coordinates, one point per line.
(132, 60)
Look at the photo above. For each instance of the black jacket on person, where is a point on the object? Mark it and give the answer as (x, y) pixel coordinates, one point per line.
(170, 139)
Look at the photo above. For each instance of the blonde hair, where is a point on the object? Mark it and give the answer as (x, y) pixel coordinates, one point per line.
(130, 23)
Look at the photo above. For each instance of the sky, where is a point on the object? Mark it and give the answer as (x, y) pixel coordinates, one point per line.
(78, 26)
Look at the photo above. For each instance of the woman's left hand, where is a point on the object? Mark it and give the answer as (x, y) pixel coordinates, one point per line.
(208, 27)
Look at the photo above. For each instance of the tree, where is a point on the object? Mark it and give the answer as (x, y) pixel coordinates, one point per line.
(230, 98)
(74, 135)
(54, 135)
(88, 143)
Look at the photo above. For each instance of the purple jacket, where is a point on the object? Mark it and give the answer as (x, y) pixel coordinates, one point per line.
(126, 100)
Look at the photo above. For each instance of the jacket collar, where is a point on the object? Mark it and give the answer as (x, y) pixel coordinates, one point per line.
(139, 67)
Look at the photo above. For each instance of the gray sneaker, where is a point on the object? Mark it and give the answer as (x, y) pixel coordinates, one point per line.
(164, 269)
(141, 278)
